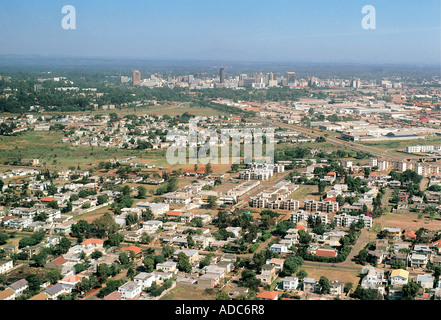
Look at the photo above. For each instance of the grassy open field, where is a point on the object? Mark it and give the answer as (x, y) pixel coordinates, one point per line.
(408, 221)
(183, 292)
(306, 192)
(56, 155)
(334, 274)
(401, 144)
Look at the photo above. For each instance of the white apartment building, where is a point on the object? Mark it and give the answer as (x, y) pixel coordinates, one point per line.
(345, 220)
(297, 216)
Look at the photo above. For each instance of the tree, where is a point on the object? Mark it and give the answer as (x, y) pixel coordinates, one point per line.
(321, 186)
(142, 192)
(63, 246)
(103, 271)
(184, 263)
(147, 214)
(211, 201)
(190, 241)
(301, 274)
(124, 259)
(208, 169)
(348, 287)
(149, 264)
(53, 276)
(248, 279)
(96, 254)
(130, 273)
(291, 265)
(167, 251)
(234, 167)
(105, 225)
(410, 290)
(223, 296)
(34, 282)
(362, 256)
(3, 238)
(101, 199)
(115, 239)
(325, 287)
(399, 264)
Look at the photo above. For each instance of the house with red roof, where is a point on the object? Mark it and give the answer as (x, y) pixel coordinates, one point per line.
(71, 281)
(174, 214)
(47, 199)
(268, 295)
(60, 264)
(332, 253)
(134, 249)
(373, 176)
(90, 245)
(409, 235)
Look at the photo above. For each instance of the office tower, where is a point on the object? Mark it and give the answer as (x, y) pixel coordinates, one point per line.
(355, 83)
(291, 78)
(222, 75)
(136, 77)
(270, 76)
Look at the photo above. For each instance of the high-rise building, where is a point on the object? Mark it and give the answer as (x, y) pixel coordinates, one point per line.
(222, 75)
(355, 83)
(136, 77)
(270, 76)
(290, 78)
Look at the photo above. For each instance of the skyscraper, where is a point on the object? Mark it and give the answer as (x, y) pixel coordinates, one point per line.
(136, 77)
(291, 78)
(222, 75)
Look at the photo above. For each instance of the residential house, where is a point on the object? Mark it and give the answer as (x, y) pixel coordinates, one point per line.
(309, 285)
(145, 279)
(56, 290)
(90, 245)
(268, 274)
(19, 286)
(418, 260)
(7, 294)
(336, 288)
(208, 280)
(277, 263)
(399, 277)
(70, 281)
(193, 255)
(40, 297)
(425, 280)
(289, 283)
(268, 295)
(167, 266)
(60, 264)
(5, 265)
(115, 295)
(279, 248)
(130, 290)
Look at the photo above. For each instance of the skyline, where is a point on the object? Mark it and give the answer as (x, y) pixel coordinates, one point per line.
(285, 31)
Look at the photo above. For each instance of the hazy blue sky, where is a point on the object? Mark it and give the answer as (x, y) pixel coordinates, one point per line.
(278, 30)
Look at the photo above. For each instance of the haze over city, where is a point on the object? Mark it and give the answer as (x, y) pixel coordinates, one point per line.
(289, 31)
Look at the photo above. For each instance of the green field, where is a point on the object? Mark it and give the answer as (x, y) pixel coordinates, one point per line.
(54, 154)
(401, 144)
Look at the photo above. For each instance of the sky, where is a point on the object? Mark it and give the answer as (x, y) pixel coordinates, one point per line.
(407, 32)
